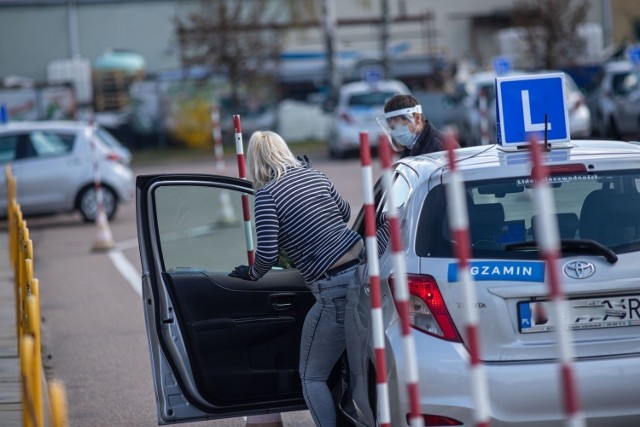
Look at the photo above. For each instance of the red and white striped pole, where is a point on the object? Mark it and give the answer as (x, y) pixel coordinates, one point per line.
(371, 243)
(548, 239)
(218, 149)
(459, 224)
(484, 118)
(103, 238)
(242, 172)
(401, 290)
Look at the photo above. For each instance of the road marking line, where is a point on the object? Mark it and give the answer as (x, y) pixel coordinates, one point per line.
(127, 270)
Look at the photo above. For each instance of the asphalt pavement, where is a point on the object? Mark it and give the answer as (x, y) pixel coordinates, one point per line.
(10, 402)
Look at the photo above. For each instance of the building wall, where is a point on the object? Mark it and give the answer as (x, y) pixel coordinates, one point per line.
(625, 13)
(30, 36)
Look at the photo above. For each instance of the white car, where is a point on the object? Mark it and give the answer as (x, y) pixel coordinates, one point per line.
(465, 115)
(52, 162)
(359, 104)
(602, 101)
(223, 347)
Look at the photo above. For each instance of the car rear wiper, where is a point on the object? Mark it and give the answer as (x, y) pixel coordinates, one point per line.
(571, 245)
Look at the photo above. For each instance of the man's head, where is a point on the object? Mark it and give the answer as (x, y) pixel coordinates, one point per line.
(403, 120)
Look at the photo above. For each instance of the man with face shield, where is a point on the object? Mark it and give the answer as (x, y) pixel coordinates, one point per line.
(409, 132)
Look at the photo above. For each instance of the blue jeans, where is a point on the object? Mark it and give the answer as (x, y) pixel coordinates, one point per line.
(323, 343)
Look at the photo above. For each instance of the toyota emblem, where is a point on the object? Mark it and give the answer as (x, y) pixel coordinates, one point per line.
(579, 269)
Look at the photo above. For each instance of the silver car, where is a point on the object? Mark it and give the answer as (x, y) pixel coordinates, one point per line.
(604, 99)
(52, 162)
(223, 347)
(359, 103)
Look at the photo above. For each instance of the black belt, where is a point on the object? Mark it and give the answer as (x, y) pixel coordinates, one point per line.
(342, 267)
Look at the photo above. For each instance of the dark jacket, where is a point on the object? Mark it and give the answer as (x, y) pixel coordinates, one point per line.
(430, 140)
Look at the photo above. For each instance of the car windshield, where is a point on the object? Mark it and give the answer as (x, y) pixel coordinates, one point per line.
(502, 215)
(370, 99)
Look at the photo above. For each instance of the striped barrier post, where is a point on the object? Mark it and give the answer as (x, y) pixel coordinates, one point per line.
(226, 214)
(484, 118)
(459, 224)
(548, 239)
(371, 243)
(401, 291)
(242, 172)
(103, 238)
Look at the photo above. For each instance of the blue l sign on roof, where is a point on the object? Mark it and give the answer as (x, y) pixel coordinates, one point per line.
(633, 52)
(523, 102)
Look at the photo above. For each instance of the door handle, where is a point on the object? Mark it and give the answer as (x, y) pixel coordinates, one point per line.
(283, 301)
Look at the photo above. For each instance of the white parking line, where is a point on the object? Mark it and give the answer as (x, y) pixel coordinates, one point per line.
(127, 270)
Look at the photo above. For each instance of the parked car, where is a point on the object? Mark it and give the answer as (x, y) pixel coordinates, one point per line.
(52, 162)
(579, 114)
(603, 101)
(626, 112)
(223, 347)
(359, 104)
(464, 105)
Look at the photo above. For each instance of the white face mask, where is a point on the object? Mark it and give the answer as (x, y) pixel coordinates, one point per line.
(403, 136)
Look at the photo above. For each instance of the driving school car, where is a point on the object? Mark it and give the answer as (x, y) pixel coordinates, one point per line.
(597, 206)
(223, 347)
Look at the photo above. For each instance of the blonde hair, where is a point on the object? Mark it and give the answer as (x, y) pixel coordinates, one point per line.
(268, 157)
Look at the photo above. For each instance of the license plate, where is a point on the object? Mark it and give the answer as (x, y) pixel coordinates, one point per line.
(591, 313)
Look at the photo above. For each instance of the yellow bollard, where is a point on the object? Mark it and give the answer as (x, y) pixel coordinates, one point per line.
(26, 360)
(33, 317)
(13, 206)
(58, 402)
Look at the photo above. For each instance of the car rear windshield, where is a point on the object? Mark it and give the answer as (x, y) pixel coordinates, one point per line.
(370, 99)
(603, 207)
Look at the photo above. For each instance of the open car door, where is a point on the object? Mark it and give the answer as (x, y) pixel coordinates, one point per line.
(220, 346)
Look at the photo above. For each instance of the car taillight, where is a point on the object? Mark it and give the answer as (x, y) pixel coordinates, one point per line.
(436, 420)
(427, 309)
(563, 169)
(346, 117)
(114, 157)
(579, 102)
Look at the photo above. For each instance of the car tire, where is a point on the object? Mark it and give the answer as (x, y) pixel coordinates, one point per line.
(336, 154)
(615, 133)
(87, 205)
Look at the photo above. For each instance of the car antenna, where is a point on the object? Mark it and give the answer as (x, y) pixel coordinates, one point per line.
(547, 146)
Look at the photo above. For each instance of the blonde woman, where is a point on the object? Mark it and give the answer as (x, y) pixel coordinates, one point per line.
(298, 210)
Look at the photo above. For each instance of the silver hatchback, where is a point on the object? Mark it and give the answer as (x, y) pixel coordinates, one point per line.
(596, 187)
(52, 162)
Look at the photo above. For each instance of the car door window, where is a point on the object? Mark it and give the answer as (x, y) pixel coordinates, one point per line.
(47, 144)
(199, 228)
(8, 146)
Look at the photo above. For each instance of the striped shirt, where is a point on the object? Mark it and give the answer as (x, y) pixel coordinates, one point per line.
(303, 214)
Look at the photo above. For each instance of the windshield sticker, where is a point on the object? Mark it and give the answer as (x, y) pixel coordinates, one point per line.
(558, 179)
(501, 270)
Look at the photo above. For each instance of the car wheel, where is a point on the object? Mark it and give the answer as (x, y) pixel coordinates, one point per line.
(336, 154)
(87, 204)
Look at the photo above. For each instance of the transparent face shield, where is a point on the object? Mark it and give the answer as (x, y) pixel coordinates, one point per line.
(394, 124)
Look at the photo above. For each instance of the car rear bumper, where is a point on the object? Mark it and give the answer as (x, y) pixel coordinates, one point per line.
(521, 393)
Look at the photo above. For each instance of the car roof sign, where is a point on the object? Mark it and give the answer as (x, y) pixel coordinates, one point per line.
(524, 102)
(501, 65)
(633, 53)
